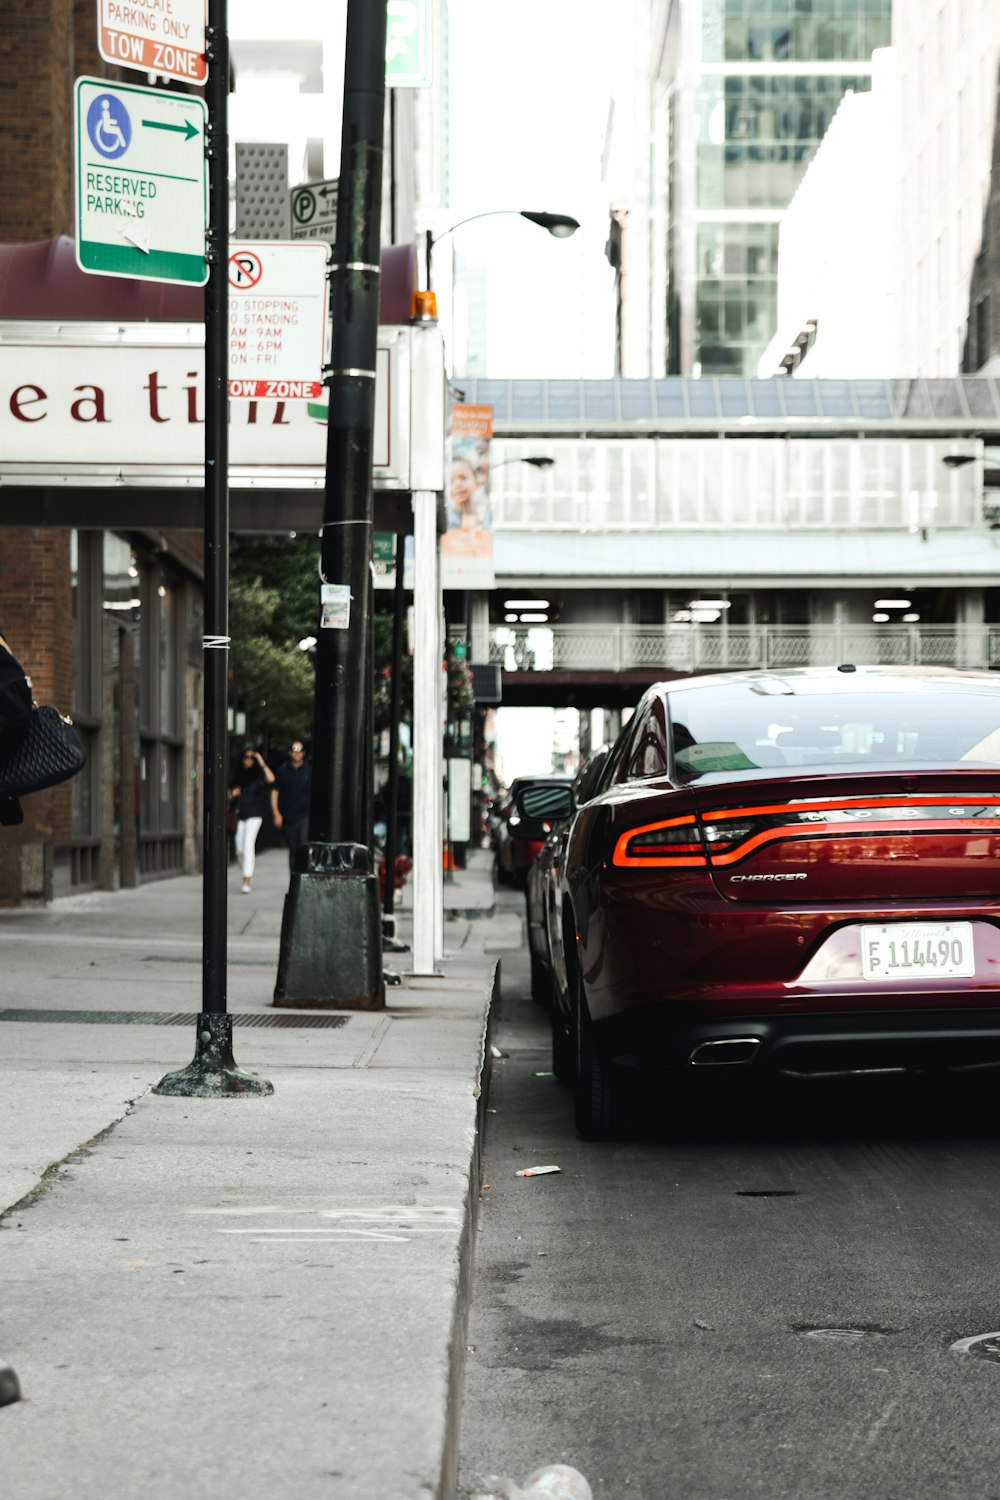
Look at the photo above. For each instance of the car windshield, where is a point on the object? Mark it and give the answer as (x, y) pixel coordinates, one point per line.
(786, 723)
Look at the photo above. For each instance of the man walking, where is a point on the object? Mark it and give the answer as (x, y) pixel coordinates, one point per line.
(290, 799)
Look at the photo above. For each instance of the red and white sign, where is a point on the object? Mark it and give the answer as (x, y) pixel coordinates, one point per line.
(245, 270)
(155, 36)
(278, 300)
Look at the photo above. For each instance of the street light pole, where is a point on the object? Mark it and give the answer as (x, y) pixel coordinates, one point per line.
(560, 226)
(331, 946)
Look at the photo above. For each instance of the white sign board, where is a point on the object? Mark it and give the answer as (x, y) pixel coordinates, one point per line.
(127, 410)
(314, 211)
(155, 36)
(141, 182)
(278, 302)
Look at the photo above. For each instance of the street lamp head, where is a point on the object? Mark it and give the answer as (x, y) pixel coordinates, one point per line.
(539, 463)
(560, 226)
(958, 460)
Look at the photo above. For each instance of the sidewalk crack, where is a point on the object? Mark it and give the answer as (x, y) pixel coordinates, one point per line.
(51, 1174)
(374, 1042)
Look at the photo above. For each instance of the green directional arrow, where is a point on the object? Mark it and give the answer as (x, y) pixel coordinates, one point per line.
(187, 130)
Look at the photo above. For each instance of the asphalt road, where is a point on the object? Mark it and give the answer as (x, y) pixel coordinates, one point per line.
(762, 1302)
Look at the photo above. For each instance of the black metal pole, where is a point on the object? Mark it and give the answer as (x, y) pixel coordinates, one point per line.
(216, 642)
(330, 950)
(213, 1071)
(336, 811)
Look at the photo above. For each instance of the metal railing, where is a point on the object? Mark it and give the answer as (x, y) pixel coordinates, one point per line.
(697, 648)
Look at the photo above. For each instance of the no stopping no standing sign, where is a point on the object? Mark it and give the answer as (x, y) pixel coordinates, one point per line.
(277, 320)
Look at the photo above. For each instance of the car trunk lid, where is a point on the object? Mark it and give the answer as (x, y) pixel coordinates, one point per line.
(843, 837)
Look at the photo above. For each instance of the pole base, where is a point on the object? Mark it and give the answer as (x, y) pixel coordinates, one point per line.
(213, 1073)
(330, 957)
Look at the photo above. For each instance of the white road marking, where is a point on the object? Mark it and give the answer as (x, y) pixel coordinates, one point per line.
(390, 1223)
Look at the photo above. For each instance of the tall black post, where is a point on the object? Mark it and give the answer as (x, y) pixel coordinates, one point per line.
(216, 639)
(213, 1071)
(331, 936)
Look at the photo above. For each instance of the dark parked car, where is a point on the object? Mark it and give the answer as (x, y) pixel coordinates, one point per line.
(519, 838)
(543, 877)
(795, 870)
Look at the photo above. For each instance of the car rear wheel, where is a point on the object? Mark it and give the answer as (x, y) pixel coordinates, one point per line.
(598, 1092)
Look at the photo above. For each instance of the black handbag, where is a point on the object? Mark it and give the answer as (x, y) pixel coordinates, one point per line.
(50, 752)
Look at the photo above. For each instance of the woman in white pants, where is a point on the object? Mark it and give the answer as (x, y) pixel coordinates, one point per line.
(250, 794)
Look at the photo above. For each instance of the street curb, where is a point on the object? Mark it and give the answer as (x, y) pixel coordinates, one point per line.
(451, 1450)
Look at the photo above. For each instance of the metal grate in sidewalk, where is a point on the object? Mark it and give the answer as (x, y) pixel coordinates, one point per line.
(171, 1018)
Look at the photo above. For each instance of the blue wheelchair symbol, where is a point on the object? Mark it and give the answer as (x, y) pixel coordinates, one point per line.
(109, 126)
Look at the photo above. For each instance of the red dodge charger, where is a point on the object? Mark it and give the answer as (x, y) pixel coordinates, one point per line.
(797, 870)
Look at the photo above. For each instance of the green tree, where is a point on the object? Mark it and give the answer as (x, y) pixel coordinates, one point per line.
(273, 678)
(273, 604)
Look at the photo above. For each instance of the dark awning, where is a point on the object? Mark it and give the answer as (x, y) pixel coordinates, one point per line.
(42, 282)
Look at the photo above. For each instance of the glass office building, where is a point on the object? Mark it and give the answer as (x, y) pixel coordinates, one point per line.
(749, 91)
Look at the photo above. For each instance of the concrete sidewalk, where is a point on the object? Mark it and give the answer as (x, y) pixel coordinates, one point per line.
(264, 1296)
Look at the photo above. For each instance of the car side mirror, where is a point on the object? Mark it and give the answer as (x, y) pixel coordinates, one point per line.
(545, 802)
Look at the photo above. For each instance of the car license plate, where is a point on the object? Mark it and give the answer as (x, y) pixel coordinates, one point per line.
(918, 950)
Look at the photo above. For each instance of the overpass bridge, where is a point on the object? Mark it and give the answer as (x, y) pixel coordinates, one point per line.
(701, 525)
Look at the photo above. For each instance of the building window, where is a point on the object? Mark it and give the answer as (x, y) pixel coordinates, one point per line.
(161, 714)
(792, 30)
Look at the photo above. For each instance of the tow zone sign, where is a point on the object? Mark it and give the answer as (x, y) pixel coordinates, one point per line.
(155, 36)
(277, 320)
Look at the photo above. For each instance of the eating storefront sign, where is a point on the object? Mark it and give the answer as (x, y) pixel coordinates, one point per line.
(76, 403)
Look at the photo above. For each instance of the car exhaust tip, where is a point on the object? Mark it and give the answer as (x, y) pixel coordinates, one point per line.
(725, 1052)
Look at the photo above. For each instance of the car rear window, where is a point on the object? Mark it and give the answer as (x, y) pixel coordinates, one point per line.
(787, 723)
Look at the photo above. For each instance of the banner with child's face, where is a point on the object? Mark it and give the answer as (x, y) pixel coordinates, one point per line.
(467, 545)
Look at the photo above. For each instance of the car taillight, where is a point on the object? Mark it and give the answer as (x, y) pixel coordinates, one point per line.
(731, 838)
(675, 842)
(727, 834)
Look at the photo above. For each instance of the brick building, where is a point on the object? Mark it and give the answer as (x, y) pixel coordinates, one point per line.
(106, 621)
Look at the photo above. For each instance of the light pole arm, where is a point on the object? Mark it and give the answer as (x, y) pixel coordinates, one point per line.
(559, 225)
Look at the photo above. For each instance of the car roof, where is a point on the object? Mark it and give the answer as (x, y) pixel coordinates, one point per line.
(835, 679)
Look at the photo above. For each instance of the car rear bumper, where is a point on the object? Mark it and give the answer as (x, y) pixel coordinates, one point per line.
(843, 1042)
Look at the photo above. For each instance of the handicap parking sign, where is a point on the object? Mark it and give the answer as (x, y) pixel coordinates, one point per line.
(109, 126)
(141, 182)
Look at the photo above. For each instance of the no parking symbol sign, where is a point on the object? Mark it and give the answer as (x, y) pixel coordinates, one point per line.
(278, 303)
